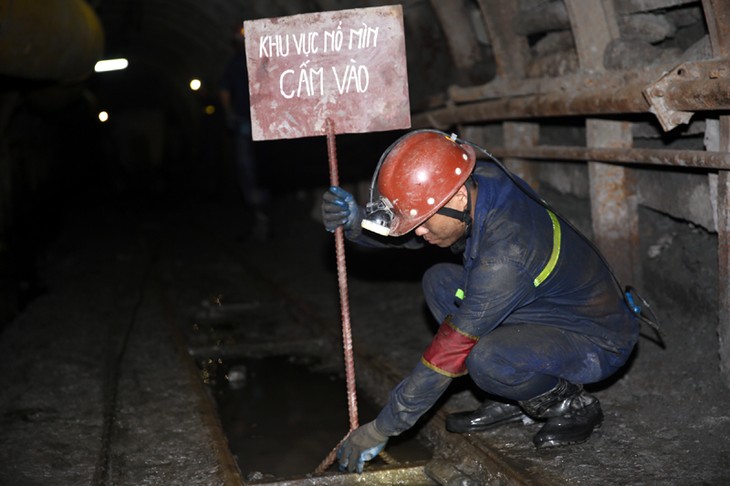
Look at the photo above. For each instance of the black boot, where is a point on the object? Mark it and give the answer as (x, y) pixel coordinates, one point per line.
(571, 415)
(489, 414)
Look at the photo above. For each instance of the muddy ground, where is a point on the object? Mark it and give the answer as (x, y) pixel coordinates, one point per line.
(667, 418)
(118, 275)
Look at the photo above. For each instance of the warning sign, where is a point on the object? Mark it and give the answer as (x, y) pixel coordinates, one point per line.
(347, 65)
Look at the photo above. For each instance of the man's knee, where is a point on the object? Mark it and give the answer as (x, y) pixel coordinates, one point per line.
(440, 283)
(487, 365)
(440, 277)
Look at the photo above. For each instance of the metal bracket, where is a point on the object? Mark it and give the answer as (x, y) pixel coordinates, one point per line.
(655, 96)
(662, 96)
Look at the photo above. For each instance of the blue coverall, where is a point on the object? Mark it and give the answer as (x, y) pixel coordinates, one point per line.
(538, 300)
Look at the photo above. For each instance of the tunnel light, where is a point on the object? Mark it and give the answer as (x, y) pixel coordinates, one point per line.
(106, 65)
(195, 84)
(103, 116)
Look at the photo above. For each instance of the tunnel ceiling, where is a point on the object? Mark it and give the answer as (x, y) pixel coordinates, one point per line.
(454, 42)
(448, 42)
(181, 38)
(177, 40)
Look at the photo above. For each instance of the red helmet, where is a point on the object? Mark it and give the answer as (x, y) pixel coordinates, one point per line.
(420, 174)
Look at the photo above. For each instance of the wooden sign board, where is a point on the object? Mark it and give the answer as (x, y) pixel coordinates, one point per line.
(346, 65)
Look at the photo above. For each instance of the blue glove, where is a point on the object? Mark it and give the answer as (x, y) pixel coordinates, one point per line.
(363, 444)
(339, 208)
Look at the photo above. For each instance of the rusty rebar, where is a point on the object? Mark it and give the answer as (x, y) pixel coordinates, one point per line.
(342, 281)
(344, 304)
(345, 311)
(705, 89)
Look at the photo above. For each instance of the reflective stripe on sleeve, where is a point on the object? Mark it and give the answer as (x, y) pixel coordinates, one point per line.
(555, 253)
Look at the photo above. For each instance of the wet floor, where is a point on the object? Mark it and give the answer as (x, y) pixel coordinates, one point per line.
(666, 418)
(282, 416)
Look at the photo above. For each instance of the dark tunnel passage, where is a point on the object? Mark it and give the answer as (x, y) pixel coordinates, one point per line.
(151, 301)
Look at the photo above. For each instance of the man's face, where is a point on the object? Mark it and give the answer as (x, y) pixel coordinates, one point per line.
(442, 230)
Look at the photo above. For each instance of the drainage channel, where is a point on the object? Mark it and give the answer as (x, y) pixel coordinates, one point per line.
(226, 333)
(281, 399)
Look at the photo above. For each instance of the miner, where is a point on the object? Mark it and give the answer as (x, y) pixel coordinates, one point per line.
(532, 313)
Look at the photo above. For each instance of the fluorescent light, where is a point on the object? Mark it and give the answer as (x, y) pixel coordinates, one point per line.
(110, 65)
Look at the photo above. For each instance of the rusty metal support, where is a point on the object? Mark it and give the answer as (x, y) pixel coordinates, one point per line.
(53, 39)
(690, 87)
(634, 156)
(706, 94)
(614, 203)
(613, 191)
(717, 18)
(627, 99)
(570, 83)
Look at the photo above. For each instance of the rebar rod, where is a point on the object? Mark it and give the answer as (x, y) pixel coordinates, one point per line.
(344, 303)
(342, 282)
(345, 312)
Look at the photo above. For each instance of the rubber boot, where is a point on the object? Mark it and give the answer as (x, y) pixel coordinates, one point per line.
(488, 415)
(571, 414)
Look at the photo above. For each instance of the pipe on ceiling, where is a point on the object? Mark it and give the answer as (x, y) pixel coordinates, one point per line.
(58, 40)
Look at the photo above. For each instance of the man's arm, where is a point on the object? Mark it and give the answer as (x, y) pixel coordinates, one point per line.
(411, 398)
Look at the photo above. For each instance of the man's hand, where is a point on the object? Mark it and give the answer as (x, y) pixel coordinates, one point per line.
(363, 444)
(339, 208)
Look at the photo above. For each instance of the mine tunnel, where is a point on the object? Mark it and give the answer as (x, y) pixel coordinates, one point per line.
(163, 322)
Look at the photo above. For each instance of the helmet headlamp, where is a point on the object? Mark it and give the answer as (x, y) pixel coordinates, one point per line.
(378, 216)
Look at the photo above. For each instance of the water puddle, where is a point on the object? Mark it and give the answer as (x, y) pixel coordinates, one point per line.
(283, 415)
